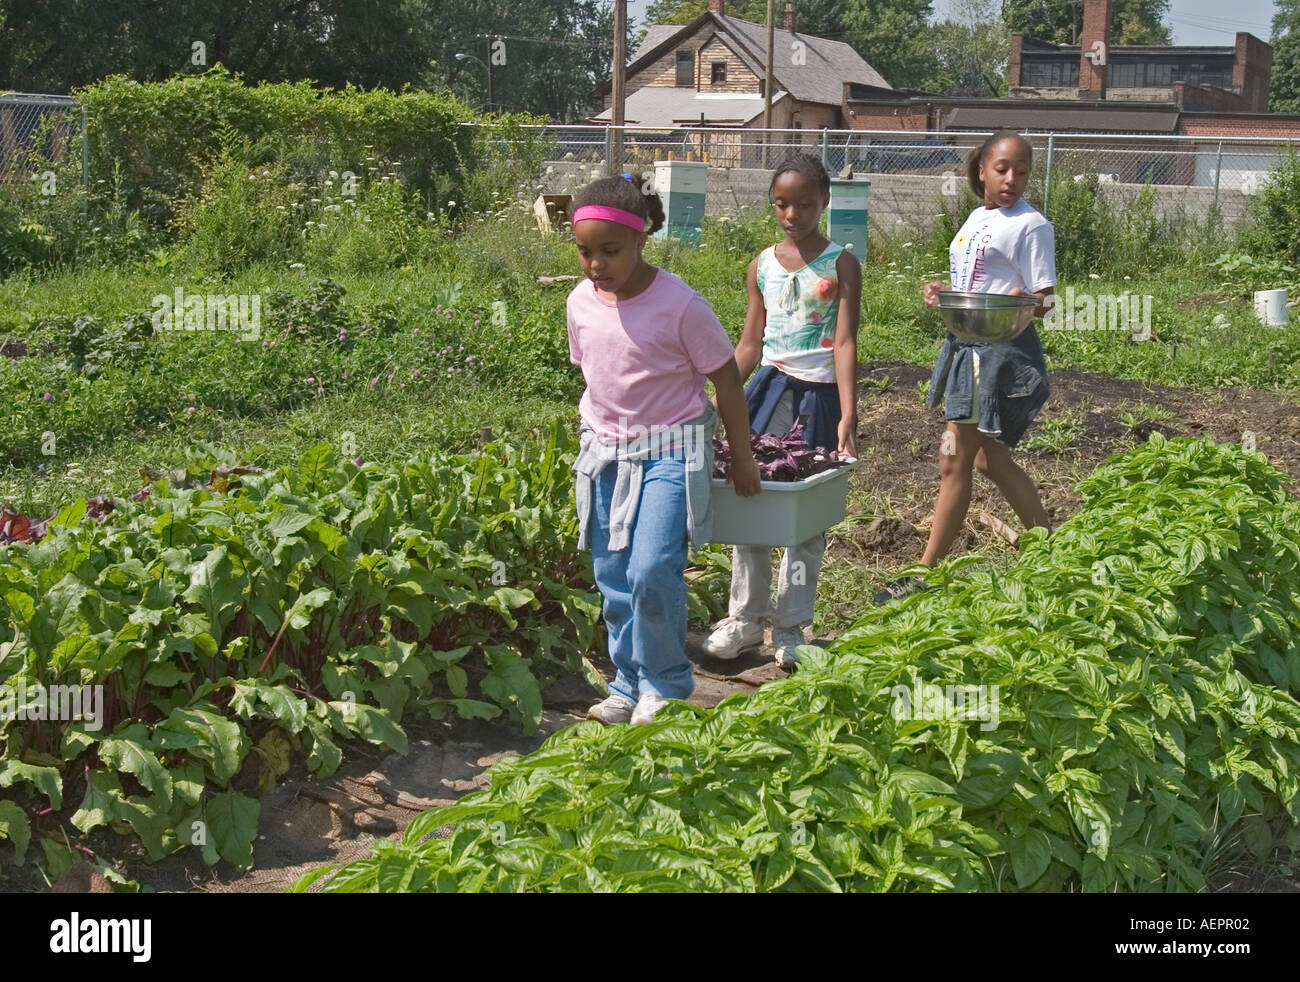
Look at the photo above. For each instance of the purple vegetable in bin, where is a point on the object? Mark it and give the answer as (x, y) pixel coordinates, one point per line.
(779, 458)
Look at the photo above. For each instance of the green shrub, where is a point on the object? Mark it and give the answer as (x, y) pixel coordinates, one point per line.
(1274, 229)
(372, 231)
(1246, 273)
(165, 134)
(23, 241)
(1076, 215)
(243, 214)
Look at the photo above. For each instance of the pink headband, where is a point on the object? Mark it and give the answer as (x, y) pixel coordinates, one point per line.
(630, 219)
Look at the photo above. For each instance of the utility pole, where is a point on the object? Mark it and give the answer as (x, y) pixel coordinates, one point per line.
(619, 95)
(767, 85)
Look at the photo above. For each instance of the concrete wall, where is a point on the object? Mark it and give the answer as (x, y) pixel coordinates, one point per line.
(903, 202)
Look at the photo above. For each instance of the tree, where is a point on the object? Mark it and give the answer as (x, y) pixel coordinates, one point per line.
(552, 53)
(1060, 21)
(895, 38)
(972, 50)
(54, 45)
(820, 18)
(1284, 87)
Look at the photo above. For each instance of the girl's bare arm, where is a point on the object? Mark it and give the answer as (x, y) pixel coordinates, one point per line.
(735, 417)
(749, 352)
(849, 272)
(1043, 304)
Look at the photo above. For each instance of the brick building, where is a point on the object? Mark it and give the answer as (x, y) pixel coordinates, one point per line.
(1098, 87)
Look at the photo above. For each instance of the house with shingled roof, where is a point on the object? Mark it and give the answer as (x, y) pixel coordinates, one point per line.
(711, 72)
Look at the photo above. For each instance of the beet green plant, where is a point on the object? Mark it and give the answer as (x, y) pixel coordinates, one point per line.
(236, 632)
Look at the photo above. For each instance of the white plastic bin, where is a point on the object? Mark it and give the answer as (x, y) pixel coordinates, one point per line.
(783, 513)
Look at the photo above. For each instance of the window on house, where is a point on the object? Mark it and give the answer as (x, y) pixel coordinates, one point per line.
(719, 69)
(1158, 75)
(686, 67)
(1055, 74)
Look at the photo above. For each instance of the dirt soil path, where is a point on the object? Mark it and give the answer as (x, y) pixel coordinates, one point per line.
(1083, 423)
(306, 823)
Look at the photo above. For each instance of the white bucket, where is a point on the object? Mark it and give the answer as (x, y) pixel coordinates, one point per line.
(1270, 307)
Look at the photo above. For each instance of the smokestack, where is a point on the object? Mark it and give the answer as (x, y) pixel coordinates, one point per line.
(1094, 58)
(787, 24)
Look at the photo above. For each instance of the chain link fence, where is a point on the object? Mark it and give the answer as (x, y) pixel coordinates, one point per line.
(37, 132)
(1200, 172)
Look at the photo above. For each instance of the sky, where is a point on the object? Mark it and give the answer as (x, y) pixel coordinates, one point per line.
(1209, 22)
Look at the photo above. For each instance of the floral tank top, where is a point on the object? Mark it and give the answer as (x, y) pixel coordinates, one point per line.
(802, 309)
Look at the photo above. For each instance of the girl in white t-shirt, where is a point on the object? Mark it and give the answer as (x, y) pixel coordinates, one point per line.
(991, 392)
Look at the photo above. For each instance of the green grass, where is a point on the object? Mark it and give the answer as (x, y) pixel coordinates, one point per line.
(386, 428)
(499, 259)
(1054, 434)
(1136, 413)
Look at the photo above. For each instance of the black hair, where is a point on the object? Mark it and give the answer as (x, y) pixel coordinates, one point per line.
(975, 159)
(805, 164)
(629, 195)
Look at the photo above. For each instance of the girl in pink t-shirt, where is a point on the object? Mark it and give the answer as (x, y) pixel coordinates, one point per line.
(645, 342)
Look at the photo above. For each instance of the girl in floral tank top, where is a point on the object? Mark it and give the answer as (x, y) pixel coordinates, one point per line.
(802, 310)
(805, 297)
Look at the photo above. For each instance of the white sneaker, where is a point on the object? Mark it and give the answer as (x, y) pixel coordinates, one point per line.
(615, 709)
(786, 642)
(732, 637)
(647, 708)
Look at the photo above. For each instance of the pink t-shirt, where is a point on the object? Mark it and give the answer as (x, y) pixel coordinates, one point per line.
(644, 359)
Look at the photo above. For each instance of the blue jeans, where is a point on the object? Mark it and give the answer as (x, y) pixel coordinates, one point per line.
(644, 585)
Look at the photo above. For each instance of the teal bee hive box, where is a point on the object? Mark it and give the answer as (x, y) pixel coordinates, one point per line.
(682, 184)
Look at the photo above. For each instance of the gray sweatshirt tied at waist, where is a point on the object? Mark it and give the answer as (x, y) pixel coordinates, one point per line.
(695, 436)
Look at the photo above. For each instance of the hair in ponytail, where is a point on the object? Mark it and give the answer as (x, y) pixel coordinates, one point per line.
(975, 159)
(626, 193)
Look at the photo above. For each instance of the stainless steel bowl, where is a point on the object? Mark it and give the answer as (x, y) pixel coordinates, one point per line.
(985, 318)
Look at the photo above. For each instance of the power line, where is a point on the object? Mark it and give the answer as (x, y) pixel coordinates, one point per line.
(1045, 5)
(1230, 22)
(1221, 26)
(512, 37)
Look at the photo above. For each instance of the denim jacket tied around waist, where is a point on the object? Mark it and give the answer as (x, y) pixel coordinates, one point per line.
(1013, 384)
